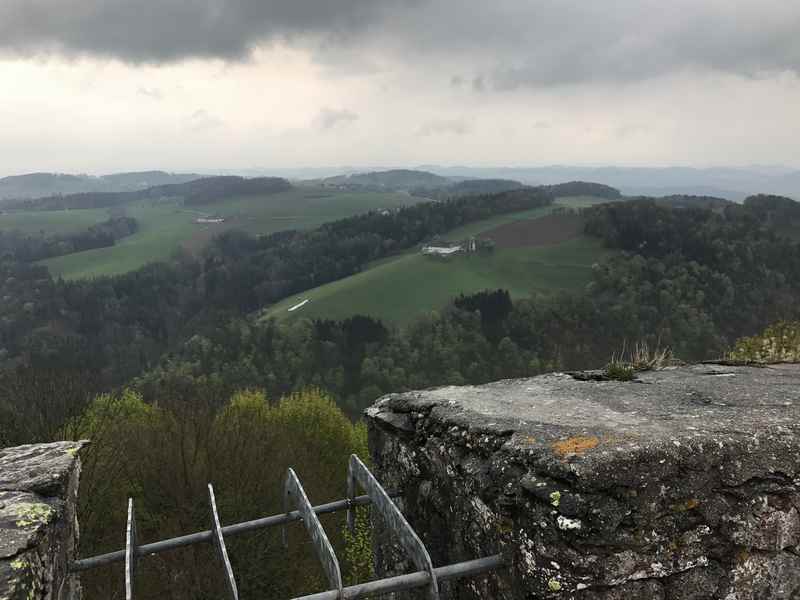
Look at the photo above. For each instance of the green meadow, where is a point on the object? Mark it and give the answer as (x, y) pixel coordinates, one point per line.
(164, 228)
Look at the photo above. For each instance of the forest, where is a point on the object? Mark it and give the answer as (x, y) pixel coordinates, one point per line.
(21, 247)
(171, 373)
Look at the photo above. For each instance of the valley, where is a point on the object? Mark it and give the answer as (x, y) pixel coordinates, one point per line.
(166, 227)
(554, 257)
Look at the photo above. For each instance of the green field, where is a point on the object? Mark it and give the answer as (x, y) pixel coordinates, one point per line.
(400, 288)
(164, 228)
(53, 222)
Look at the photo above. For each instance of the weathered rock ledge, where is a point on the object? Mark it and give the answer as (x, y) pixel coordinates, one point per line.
(682, 485)
(38, 522)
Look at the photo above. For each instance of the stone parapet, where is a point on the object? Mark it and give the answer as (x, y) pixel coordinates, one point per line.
(679, 485)
(38, 521)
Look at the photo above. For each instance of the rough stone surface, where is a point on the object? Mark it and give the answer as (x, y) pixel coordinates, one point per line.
(680, 485)
(38, 522)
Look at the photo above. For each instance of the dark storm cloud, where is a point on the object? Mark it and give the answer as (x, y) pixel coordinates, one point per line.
(556, 42)
(498, 44)
(169, 30)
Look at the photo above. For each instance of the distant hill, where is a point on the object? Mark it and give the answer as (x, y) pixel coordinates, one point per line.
(40, 185)
(731, 183)
(393, 180)
(687, 201)
(198, 191)
(468, 187)
(778, 213)
(584, 188)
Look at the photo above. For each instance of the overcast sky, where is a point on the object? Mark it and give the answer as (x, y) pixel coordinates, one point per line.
(105, 85)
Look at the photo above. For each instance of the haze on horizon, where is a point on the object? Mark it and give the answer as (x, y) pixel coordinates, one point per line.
(108, 85)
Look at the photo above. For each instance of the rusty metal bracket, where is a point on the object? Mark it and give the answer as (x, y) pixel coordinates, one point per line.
(393, 518)
(219, 543)
(293, 490)
(131, 552)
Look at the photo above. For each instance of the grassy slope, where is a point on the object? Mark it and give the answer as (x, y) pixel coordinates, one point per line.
(165, 228)
(52, 222)
(401, 288)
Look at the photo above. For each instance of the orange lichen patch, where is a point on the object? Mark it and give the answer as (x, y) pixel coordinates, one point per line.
(690, 504)
(575, 445)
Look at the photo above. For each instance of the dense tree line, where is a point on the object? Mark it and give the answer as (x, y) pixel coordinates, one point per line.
(472, 187)
(28, 248)
(469, 187)
(199, 191)
(244, 273)
(693, 280)
(584, 188)
(121, 325)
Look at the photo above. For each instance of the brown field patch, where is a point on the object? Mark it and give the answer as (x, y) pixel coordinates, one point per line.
(544, 231)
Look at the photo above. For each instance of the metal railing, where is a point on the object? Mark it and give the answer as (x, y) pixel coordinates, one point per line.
(426, 575)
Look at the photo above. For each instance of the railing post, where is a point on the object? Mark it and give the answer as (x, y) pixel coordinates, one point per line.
(219, 543)
(131, 552)
(293, 490)
(394, 519)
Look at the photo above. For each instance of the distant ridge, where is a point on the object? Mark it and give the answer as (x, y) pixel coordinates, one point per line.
(195, 191)
(392, 180)
(39, 185)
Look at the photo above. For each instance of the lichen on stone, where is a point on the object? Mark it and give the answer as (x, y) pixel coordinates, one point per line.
(575, 445)
(30, 513)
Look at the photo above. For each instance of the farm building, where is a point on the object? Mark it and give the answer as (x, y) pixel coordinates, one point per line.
(206, 220)
(441, 250)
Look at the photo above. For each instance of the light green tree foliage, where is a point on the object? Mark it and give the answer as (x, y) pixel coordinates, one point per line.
(164, 454)
(126, 451)
(254, 445)
(778, 343)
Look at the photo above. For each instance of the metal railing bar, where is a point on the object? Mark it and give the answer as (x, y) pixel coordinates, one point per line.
(412, 580)
(131, 554)
(206, 536)
(219, 543)
(358, 472)
(293, 490)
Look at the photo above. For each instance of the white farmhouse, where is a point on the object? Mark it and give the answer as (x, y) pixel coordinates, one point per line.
(441, 250)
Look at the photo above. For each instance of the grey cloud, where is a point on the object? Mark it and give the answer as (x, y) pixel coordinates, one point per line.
(445, 127)
(155, 31)
(499, 45)
(574, 42)
(329, 118)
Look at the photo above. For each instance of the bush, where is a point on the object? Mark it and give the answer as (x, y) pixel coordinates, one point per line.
(779, 343)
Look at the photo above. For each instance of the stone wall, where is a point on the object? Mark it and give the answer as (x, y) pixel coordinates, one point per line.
(680, 485)
(38, 522)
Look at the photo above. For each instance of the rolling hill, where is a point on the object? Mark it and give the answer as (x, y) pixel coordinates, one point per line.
(392, 180)
(38, 185)
(166, 227)
(554, 256)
